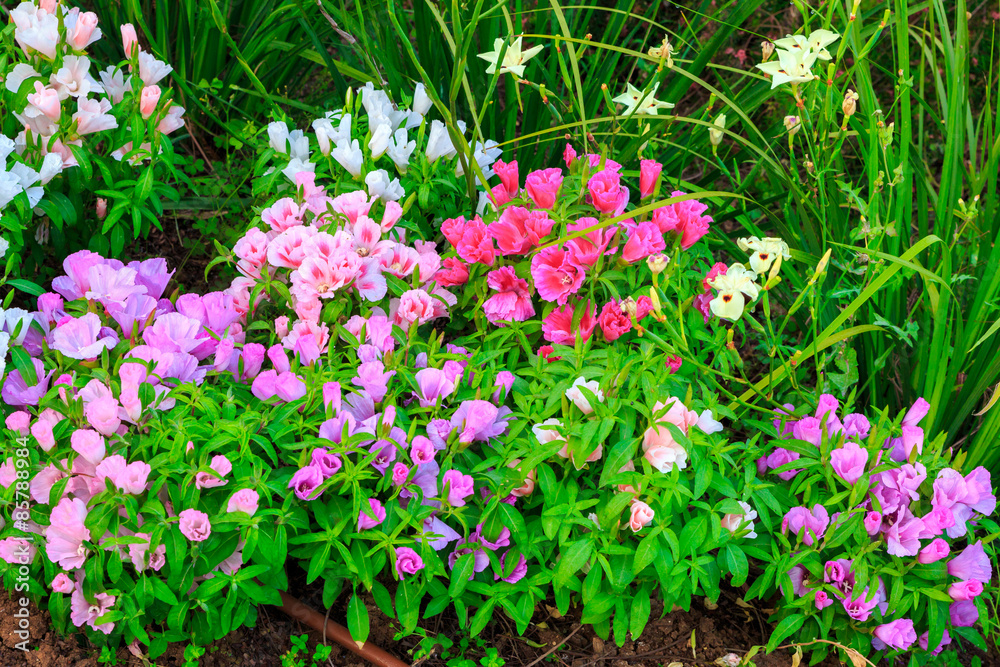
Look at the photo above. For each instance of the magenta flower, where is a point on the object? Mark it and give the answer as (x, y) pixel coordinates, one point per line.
(66, 534)
(512, 303)
(849, 461)
(965, 590)
(408, 562)
(587, 249)
(328, 463)
(649, 173)
(305, 481)
(78, 338)
(195, 525)
(917, 411)
(244, 500)
(934, 552)
(898, 634)
(859, 608)
(332, 396)
(518, 230)
(972, 563)
(684, 218)
(504, 382)
(433, 383)
(517, 574)
(810, 526)
(558, 326)
(856, 426)
(478, 420)
(822, 600)
(507, 172)
(963, 613)
(289, 387)
(903, 536)
(543, 187)
(374, 517)
(614, 322)
(780, 457)
(607, 193)
(644, 239)
(808, 429)
(873, 523)
(925, 638)
(476, 244)
(557, 274)
(422, 450)
(459, 487)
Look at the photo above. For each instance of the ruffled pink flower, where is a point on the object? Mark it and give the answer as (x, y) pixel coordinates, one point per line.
(543, 186)
(353, 205)
(476, 244)
(569, 155)
(373, 517)
(66, 534)
(644, 239)
(453, 229)
(244, 500)
(810, 525)
(642, 515)
(518, 230)
(80, 338)
(683, 218)
(557, 274)
(195, 525)
(557, 327)
(283, 214)
(512, 301)
(415, 307)
(649, 172)
(221, 466)
(507, 172)
(589, 248)
(607, 193)
(455, 272)
(252, 250)
(458, 487)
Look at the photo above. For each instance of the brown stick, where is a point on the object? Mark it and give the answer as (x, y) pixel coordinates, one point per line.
(340, 634)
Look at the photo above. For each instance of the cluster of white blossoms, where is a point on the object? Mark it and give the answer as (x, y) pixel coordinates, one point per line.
(796, 56)
(392, 133)
(67, 102)
(738, 283)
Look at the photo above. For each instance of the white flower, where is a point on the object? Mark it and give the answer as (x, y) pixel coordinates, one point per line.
(438, 142)
(716, 133)
(380, 186)
(513, 58)
(6, 148)
(485, 156)
(380, 140)
(574, 394)
(27, 177)
(413, 119)
(298, 145)
(52, 166)
(18, 75)
(10, 187)
(399, 150)
(736, 523)
(297, 166)
(16, 322)
(485, 202)
(151, 70)
(548, 431)
(796, 56)
(35, 29)
(792, 124)
(349, 156)
(593, 517)
(4, 345)
(764, 251)
(326, 133)
(73, 78)
(707, 423)
(277, 136)
(4, 247)
(92, 116)
(732, 286)
(641, 103)
(115, 83)
(421, 101)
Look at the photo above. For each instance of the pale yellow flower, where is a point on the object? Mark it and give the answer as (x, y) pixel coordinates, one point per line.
(733, 287)
(514, 58)
(635, 100)
(765, 251)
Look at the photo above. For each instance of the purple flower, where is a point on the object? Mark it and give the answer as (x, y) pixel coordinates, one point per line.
(173, 332)
(385, 456)
(906, 480)
(253, 358)
(849, 461)
(374, 517)
(809, 525)
(902, 447)
(408, 561)
(373, 378)
(433, 383)
(444, 533)
(479, 421)
(838, 573)
(502, 540)
(111, 286)
(136, 309)
(786, 414)
(965, 590)
(289, 387)
(822, 600)
(856, 426)
(826, 413)
(453, 370)
(279, 358)
(780, 457)
(439, 430)
(16, 390)
(945, 640)
(265, 385)
(328, 463)
(518, 573)
(77, 268)
(934, 552)
(481, 560)
(459, 487)
(152, 274)
(898, 634)
(504, 382)
(963, 613)
(972, 563)
(305, 481)
(859, 608)
(809, 429)
(332, 396)
(903, 536)
(798, 575)
(333, 429)
(963, 496)
(77, 338)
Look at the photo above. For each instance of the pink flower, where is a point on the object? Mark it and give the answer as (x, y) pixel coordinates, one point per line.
(674, 363)
(934, 552)
(141, 558)
(609, 196)
(17, 551)
(518, 230)
(965, 590)
(684, 218)
(374, 517)
(46, 100)
(649, 172)
(283, 214)
(512, 301)
(972, 563)
(543, 186)
(62, 583)
(88, 444)
(328, 462)
(508, 176)
(556, 274)
(822, 600)
(408, 562)
(83, 611)
(558, 328)
(195, 525)
(18, 421)
(66, 534)
(453, 228)
(42, 431)
(569, 155)
(644, 239)
(305, 481)
(455, 272)
(353, 205)
(80, 338)
(810, 525)
(476, 244)
(642, 515)
(132, 479)
(130, 41)
(415, 307)
(517, 574)
(252, 249)
(148, 100)
(614, 322)
(400, 472)
(849, 461)
(244, 500)
(898, 634)
(589, 248)
(422, 450)
(433, 383)
(458, 487)
(102, 414)
(221, 466)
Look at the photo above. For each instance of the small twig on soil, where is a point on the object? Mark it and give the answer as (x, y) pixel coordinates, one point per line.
(554, 648)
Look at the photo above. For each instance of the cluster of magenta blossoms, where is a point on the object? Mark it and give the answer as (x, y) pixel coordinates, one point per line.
(916, 509)
(103, 352)
(512, 249)
(416, 441)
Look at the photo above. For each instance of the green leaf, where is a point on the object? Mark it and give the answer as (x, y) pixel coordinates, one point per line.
(640, 613)
(26, 286)
(573, 560)
(22, 362)
(734, 561)
(785, 629)
(357, 620)
(647, 551)
(463, 571)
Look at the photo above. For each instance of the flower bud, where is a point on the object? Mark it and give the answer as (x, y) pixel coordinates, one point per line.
(850, 104)
(657, 263)
(767, 50)
(102, 208)
(130, 41)
(148, 100)
(792, 124)
(716, 133)
(630, 307)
